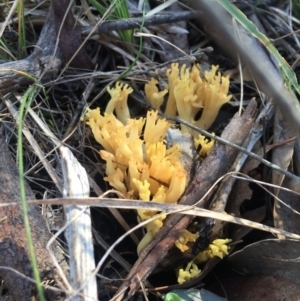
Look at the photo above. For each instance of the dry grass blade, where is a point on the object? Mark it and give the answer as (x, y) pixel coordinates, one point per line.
(35, 146)
(169, 208)
(8, 17)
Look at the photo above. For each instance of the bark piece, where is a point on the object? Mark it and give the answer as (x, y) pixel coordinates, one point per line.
(214, 166)
(13, 242)
(282, 155)
(286, 214)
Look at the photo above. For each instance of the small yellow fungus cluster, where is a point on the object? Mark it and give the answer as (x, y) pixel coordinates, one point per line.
(183, 240)
(206, 145)
(191, 271)
(118, 101)
(218, 248)
(188, 93)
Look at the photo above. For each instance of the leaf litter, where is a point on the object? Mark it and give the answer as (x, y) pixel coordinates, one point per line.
(75, 76)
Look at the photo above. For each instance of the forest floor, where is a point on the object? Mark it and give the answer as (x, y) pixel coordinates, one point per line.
(149, 150)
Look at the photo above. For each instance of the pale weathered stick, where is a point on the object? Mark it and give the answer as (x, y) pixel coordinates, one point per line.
(79, 232)
(214, 166)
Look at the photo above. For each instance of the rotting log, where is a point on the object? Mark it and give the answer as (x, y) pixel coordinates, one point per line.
(13, 242)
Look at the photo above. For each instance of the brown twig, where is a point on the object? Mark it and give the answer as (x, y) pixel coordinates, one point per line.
(133, 23)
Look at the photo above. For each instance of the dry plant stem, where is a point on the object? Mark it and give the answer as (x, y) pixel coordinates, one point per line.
(40, 62)
(115, 212)
(296, 179)
(196, 56)
(168, 208)
(8, 17)
(213, 167)
(35, 146)
(115, 255)
(133, 23)
(13, 243)
(80, 107)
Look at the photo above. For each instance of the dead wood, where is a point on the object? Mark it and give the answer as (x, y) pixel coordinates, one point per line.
(42, 64)
(214, 166)
(132, 23)
(13, 242)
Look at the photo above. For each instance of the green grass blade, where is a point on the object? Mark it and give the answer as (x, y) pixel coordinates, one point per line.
(26, 100)
(288, 74)
(5, 50)
(296, 8)
(140, 47)
(100, 8)
(120, 11)
(21, 29)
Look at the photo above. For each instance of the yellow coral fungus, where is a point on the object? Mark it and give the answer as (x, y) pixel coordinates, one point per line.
(191, 271)
(155, 97)
(177, 184)
(188, 93)
(172, 75)
(214, 96)
(218, 248)
(118, 102)
(138, 163)
(185, 237)
(205, 144)
(155, 128)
